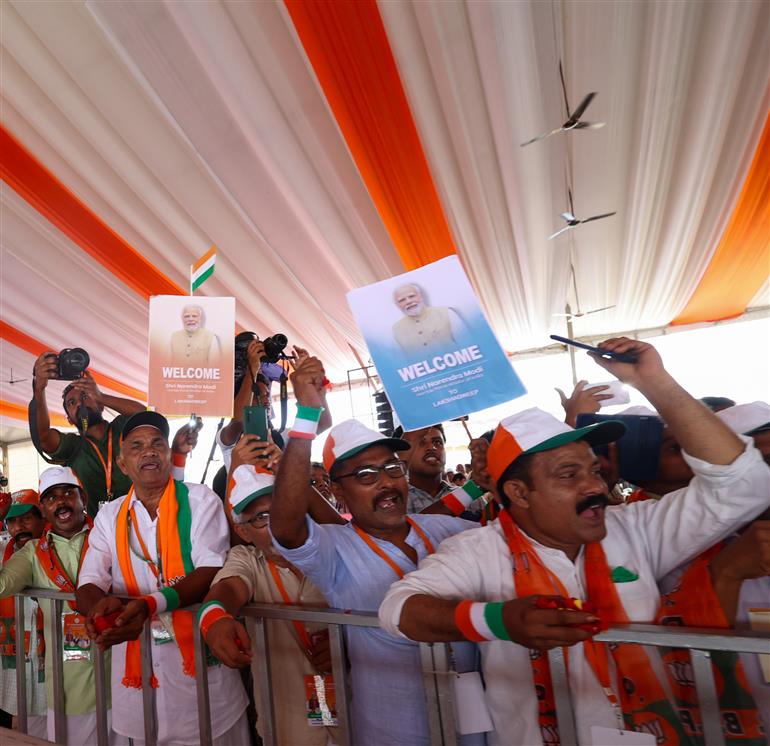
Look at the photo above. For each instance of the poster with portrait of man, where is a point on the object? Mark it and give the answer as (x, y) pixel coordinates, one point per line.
(191, 355)
(433, 348)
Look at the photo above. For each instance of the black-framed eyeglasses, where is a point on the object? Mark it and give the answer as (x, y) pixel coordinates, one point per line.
(371, 474)
(259, 520)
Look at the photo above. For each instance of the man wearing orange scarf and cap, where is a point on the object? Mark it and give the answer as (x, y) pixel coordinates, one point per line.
(517, 585)
(162, 544)
(24, 522)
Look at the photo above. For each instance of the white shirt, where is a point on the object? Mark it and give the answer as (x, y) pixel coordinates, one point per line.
(755, 594)
(176, 692)
(649, 538)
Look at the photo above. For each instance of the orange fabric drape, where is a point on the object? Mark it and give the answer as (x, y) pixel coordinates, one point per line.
(38, 186)
(346, 44)
(741, 263)
(35, 347)
(19, 412)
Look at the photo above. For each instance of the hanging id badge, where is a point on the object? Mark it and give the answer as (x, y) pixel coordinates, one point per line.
(76, 644)
(320, 701)
(162, 628)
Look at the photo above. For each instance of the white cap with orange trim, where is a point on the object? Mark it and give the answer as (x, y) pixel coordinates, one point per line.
(247, 485)
(534, 430)
(56, 475)
(350, 437)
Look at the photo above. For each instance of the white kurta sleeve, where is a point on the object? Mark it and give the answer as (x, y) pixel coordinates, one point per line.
(97, 564)
(456, 571)
(718, 500)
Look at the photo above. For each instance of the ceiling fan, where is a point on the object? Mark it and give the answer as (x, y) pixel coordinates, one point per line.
(573, 122)
(578, 314)
(572, 222)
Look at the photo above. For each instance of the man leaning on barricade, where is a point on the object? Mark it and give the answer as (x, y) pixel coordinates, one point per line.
(558, 565)
(160, 545)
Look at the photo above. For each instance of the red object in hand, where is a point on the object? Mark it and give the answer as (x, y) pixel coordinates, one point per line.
(103, 623)
(239, 645)
(571, 604)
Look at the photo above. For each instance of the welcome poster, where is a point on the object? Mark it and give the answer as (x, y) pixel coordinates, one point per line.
(433, 348)
(191, 355)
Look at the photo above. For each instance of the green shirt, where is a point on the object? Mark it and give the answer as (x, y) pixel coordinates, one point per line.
(23, 570)
(88, 466)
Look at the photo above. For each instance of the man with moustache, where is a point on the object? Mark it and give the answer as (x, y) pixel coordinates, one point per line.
(426, 461)
(53, 562)
(517, 585)
(193, 344)
(354, 564)
(161, 544)
(24, 522)
(423, 327)
(95, 459)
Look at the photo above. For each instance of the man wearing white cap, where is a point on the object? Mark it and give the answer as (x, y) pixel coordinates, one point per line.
(518, 584)
(161, 544)
(728, 585)
(53, 562)
(256, 573)
(24, 522)
(354, 564)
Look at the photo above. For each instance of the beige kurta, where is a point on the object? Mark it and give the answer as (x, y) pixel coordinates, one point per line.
(432, 328)
(289, 665)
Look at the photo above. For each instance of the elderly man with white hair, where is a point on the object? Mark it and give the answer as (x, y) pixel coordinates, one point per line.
(423, 327)
(194, 344)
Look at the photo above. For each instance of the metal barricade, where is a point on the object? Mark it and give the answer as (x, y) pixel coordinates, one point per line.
(435, 661)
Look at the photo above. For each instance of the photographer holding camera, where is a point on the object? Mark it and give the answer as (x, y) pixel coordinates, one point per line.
(93, 453)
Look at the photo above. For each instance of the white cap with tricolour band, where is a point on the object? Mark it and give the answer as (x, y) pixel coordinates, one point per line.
(246, 486)
(351, 437)
(534, 430)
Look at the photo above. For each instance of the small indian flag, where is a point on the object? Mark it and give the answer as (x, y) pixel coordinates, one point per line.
(202, 269)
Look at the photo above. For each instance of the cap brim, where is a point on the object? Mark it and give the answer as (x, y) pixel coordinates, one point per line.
(146, 419)
(397, 444)
(598, 434)
(757, 430)
(19, 509)
(243, 504)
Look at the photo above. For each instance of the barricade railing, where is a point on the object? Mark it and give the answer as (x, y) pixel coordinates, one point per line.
(435, 660)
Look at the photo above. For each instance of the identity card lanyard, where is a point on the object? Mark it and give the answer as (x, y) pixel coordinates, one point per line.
(298, 626)
(133, 524)
(596, 653)
(108, 466)
(383, 555)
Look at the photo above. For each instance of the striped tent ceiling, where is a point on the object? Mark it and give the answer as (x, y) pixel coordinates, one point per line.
(324, 146)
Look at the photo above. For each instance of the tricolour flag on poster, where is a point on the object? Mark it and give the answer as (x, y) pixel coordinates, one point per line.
(203, 269)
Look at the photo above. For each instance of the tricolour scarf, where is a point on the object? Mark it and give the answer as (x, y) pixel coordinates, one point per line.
(175, 559)
(693, 603)
(8, 623)
(642, 698)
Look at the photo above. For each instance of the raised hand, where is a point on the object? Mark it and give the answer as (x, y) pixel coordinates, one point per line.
(46, 369)
(647, 368)
(307, 380)
(582, 400)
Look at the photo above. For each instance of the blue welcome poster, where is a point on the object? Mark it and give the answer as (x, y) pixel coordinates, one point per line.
(433, 348)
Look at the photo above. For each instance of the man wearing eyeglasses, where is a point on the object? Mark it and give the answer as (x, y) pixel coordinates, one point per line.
(353, 565)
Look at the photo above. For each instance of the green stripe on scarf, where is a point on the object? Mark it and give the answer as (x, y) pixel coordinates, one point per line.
(184, 524)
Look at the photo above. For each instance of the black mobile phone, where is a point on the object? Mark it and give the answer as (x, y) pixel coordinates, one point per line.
(621, 357)
(255, 421)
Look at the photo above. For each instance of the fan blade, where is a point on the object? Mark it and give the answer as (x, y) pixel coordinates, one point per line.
(582, 106)
(559, 232)
(598, 310)
(541, 137)
(568, 216)
(589, 125)
(565, 315)
(598, 217)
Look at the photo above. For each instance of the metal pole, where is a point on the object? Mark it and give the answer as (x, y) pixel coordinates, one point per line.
(337, 648)
(148, 693)
(21, 670)
(445, 688)
(265, 707)
(101, 684)
(55, 649)
(202, 687)
(708, 701)
(564, 715)
(431, 693)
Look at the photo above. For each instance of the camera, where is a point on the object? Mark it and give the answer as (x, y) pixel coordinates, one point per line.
(274, 348)
(71, 363)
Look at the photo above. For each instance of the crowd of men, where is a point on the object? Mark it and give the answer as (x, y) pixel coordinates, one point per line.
(537, 543)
